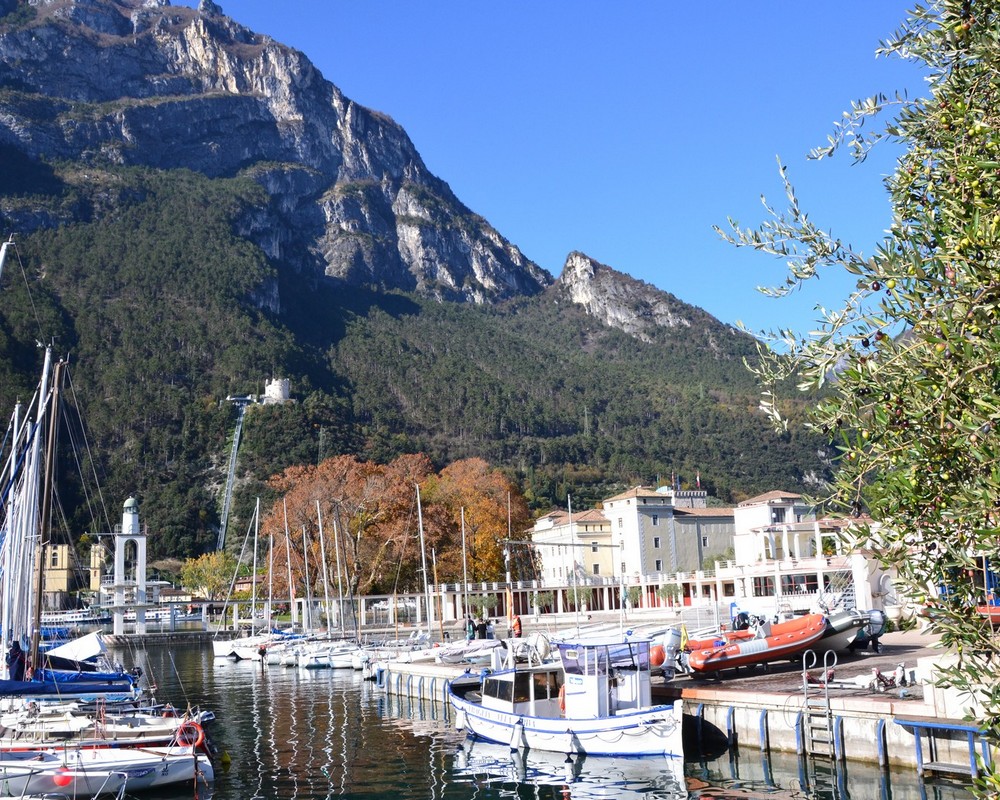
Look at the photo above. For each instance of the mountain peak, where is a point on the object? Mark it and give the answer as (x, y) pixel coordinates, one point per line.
(143, 83)
(620, 301)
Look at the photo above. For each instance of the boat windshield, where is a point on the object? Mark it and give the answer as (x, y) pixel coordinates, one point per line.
(579, 659)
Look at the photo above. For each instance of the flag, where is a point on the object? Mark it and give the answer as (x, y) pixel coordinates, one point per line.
(684, 637)
(510, 606)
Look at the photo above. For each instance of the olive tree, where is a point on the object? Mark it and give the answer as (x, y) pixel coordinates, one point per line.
(908, 367)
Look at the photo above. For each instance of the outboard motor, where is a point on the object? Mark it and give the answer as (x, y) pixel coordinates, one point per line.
(671, 650)
(741, 621)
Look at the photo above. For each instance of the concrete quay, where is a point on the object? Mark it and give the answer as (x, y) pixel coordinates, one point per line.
(765, 708)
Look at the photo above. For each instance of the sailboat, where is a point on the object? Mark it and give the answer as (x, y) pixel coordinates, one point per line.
(26, 491)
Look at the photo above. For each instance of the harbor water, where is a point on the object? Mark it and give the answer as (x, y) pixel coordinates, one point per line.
(311, 734)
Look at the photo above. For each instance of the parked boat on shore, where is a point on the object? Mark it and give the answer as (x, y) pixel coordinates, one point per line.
(761, 643)
(595, 700)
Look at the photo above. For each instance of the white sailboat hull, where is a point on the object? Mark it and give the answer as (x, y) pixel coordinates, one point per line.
(100, 770)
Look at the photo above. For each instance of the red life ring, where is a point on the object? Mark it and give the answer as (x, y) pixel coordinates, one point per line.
(190, 734)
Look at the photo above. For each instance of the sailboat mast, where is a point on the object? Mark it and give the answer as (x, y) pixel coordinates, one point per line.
(270, 579)
(340, 583)
(288, 562)
(307, 609)
(423, 563)
(44, 532)
(326, 581)
(465, 569)
(573, 582)
(6, 594)
(253, 582)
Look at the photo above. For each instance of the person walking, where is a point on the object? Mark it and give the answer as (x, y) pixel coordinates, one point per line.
(515, 627)
(470, 629)
(15, 661)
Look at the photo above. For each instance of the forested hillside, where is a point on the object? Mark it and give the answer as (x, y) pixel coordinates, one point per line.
(197, 210)
(164, 310)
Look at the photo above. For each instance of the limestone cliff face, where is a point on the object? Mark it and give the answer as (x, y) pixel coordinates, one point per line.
(633, 306)
(141, 82)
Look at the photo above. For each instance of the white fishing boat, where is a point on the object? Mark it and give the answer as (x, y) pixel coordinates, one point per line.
(47, 724)
(595, 700)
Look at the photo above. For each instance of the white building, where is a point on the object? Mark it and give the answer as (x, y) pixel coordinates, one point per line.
(276, 391)
(579, 544)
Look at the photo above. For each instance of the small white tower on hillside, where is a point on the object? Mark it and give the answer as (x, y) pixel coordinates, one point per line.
(130, 533)
(276, 391)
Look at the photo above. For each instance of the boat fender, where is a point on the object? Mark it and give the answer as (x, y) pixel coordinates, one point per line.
(562, 698)
(517, 736)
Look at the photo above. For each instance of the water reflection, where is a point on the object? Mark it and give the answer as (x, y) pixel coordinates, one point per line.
(321, 734)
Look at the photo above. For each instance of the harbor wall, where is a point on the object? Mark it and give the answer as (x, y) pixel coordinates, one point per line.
(865, 728)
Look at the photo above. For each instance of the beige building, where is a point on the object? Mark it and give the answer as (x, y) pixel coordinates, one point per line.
(641, 532)
(59, 575)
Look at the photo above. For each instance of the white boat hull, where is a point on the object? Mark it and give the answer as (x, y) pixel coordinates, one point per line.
(655, 731)
(86, 773)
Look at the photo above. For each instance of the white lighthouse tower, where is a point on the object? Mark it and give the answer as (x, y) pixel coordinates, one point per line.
(133, 584)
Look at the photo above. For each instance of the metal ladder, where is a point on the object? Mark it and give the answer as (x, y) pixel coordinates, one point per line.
(817, 719)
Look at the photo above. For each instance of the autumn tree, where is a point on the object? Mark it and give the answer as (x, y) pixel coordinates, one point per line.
(370, 521)
(911, 362)
(485, 494)
(368, 514)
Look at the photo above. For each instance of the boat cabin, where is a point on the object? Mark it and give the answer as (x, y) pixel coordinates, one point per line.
(592, 679)
(532, 691)
(604, 678)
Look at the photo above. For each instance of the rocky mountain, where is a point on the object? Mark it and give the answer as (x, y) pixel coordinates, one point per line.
(198, 210)
(144, 83)
(635, 307)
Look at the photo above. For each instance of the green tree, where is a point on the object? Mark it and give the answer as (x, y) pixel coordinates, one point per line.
(210, 574)
(911, 362)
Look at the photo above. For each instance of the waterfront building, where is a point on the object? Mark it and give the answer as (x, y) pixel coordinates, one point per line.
(59, 575)
(641, 532)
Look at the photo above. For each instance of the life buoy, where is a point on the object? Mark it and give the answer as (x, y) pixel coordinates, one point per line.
(190, 734)
(562, 698)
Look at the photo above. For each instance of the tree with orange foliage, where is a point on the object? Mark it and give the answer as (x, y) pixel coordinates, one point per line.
(368, 515)
(484, 493)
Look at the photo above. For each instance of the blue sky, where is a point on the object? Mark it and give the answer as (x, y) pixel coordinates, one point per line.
(624, 130)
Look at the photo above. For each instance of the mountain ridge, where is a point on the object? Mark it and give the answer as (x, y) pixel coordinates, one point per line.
(198, 210)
